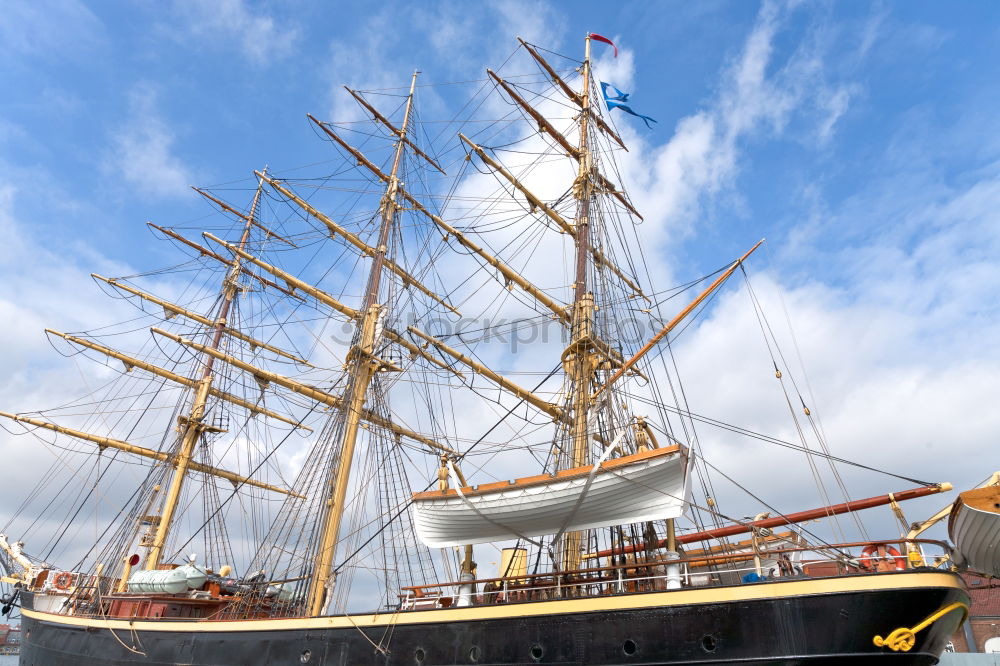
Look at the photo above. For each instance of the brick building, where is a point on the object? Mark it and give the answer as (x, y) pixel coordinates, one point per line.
(984, 616)
(10, 639)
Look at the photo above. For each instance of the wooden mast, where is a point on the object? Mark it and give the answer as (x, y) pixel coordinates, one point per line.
(193, 425)
(669, 326)
(579, 357)
(364, 365)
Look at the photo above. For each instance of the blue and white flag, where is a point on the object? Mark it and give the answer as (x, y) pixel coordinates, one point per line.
(615, 99)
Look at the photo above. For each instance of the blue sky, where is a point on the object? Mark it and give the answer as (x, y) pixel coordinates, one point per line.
(112, 108)
(861, 139)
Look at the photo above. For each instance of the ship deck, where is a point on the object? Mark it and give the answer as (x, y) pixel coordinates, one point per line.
(829, 620)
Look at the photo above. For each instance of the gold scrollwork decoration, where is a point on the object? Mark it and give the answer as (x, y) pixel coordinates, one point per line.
(903, 639)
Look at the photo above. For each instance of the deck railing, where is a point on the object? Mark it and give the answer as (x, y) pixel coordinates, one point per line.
(621, 574)
(700, 570)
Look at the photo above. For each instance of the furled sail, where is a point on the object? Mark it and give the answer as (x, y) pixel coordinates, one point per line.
(650, 485)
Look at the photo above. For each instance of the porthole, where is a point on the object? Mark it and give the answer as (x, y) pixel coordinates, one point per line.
(419, 655)
(305, 656)
(708, 643)
(537, 652)
(629, 647)
(474, 654)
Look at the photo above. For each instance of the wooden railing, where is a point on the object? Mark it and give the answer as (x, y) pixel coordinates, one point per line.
(650, 574)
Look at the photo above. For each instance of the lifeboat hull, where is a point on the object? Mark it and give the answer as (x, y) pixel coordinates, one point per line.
(974, 528)
(645, 486)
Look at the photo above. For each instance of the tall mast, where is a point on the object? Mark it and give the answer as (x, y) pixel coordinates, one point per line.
(193, 425)
(579, 357)
(363, 367)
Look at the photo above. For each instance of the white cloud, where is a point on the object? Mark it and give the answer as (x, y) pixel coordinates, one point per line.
(901, 346)
(892, 390)
(47, 286)
(833, 103)
(49, 29)
(259, 36)
(361, 63)
(533, 21)
(902, 342)
(471, 36)
(901, 349)
(761, 90)
(142, 149)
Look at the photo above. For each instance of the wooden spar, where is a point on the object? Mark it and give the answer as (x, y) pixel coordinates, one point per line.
(311, 392)
(131, 363)
(290, 280)
(357, 154)
(602, 260)
(354, 240)
(18, 556)
(202, 250)
(363, 366)
(572, 94)
(329, 300)
(175, 309)
(205, 252)
(564, 226)
(506, 271)
(414, 349)
(108, 442)
(224, 206)
(392, 128)
(676, 320)
(524, 394)
(610, 188)
(607, 129)
(543, 124)
(788, 519)
(916, 529)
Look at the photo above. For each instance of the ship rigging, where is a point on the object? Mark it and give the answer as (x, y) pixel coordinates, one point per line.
(315, 353)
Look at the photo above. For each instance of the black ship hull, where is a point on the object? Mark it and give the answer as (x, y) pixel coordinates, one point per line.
(812, 621)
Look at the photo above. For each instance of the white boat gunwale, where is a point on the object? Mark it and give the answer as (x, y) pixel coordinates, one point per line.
(544, 479)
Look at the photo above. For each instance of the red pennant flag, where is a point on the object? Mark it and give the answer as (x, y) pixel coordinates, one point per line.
(600, 38)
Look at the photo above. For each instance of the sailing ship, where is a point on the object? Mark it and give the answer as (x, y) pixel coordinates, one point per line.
(609, 481)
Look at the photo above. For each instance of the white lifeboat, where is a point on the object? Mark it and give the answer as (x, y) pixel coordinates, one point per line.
(650, 485)
(974, 528)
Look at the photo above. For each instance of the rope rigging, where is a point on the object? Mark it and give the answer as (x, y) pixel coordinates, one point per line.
(420, 246)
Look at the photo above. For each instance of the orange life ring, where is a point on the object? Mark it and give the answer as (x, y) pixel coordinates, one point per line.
(884, 551)
(63, 580)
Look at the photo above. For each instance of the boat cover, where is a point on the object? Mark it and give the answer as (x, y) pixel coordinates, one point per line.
(650, 485)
